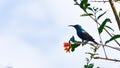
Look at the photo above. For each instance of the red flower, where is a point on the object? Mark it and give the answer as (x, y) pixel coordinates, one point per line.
(67, 46)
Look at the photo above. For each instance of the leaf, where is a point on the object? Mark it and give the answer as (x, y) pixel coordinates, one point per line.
(113, 38)
(86, 14)
(101, 15)
(85, 66)
(90, 8)
(73, 43)
(87, 5)
(95, 9)
(100, 29)
(74, 46)
(91, 65)
(81, 5)
(100, 9)
(84, 4)
(110, 28)
(75, 0)
(72, 39)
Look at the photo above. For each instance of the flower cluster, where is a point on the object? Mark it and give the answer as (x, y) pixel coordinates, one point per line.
(67, 46)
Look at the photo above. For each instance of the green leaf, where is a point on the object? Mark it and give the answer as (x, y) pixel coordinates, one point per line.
(75, 0)
(72, 39)
(84, 4)
(101, 15)
(87, 5)
(73, 43)
(100, 29)
(81, 4)
(86, 14)
(113, 38)
(110, 28)
(85, 66)
(74, 46)
(91, 65)
(100, 9)
(90, 8)
(95, 9)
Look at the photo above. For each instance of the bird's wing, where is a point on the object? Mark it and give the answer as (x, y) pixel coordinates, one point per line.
(87, 36)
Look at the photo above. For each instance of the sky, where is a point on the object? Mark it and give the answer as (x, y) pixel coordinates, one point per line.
(32, 33)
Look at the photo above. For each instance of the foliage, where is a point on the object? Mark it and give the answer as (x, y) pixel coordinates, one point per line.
(89, 66)
(102, 26)
(94, 14)
(113, 38)
(101, 15)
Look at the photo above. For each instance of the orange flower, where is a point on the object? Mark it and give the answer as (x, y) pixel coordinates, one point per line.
(67, 46)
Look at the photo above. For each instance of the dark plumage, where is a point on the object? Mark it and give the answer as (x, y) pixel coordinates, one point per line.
(83, 34)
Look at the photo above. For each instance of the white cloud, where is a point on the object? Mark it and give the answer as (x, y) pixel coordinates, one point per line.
(19, 54)
(30, 10)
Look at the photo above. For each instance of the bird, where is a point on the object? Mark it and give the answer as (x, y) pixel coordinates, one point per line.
(83, 34)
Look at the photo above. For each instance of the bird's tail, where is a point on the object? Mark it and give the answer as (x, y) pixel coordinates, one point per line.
(95, 42)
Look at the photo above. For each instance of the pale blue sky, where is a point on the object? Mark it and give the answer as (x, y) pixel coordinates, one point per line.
(32, 33)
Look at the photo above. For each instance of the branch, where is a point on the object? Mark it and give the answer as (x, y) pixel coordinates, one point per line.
(116, 48)
(76, 3)
(104, 1)
(115, 13)
(92, 44)
(104, 29)
(107, 59)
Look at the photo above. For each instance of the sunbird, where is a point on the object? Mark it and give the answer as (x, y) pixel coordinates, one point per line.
(83, 34)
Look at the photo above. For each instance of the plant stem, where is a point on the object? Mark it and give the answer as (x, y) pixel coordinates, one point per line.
(115, 13)
(76, 3)
(99, 36)
(105, 30)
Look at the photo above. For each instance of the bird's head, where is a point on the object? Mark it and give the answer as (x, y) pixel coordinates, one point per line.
(77, 27)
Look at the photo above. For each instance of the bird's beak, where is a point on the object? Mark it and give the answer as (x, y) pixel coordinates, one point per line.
(71, 25)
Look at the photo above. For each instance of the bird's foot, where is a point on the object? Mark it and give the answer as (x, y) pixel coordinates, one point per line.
(84, 43)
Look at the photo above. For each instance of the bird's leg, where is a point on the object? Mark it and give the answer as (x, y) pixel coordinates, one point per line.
(84, 42)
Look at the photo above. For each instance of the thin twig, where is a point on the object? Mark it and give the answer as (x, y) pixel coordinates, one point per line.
(92, 44)
(99, 36)
(116, 48)
(99, 1)
(107, 59)
(105, 30)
